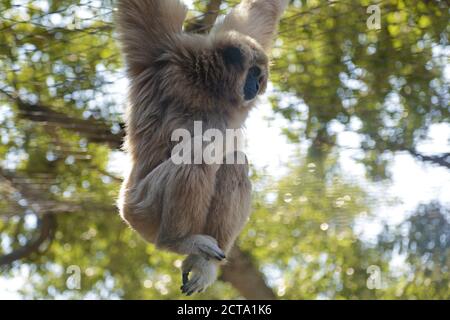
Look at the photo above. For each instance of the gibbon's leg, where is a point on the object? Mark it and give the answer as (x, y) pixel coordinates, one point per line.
(229, 211)
(146, 25)
(182, 193)
(255, 18)
(230, 205)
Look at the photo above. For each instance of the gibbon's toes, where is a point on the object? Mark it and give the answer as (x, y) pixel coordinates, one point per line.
(202, 274)
(190, 262)
(197, 284)
(185, 279)
(193, 285)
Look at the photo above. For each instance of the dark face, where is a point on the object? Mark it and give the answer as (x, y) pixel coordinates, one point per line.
(252, 83)
(250, 63)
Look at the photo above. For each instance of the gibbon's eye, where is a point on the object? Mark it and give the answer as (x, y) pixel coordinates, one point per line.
(233, 56)
(252, 83)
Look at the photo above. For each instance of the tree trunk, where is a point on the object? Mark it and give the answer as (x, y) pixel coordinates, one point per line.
(245, 277)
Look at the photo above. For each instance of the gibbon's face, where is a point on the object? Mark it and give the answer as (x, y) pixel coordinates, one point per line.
(226, 70)
(246, 71)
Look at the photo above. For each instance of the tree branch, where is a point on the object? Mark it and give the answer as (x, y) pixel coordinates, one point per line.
(204, 22)
(242, 273)
(92, 130)
(442, 160)
(22, 185)
(46, 227)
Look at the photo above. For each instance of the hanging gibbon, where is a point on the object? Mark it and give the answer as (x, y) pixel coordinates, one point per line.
(177, 78)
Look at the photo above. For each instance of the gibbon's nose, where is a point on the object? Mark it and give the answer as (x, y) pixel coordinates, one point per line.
(252, 83)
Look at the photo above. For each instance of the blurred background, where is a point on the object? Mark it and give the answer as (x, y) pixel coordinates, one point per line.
(349, 148)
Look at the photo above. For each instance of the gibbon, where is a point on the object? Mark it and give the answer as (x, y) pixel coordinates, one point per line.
(177, 78)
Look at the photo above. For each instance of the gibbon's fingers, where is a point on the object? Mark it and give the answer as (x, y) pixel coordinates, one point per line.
(255, 18)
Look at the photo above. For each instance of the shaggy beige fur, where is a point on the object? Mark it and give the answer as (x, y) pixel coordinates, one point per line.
(175, 79)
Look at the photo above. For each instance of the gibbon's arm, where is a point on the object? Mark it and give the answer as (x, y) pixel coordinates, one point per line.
(146, 25)
(255, 18)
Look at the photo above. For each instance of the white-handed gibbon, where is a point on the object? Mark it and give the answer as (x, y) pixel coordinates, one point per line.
(177, 78)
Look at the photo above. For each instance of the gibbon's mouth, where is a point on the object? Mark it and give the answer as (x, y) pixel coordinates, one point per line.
(253, 83)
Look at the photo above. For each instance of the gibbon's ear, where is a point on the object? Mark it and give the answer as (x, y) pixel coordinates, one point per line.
(255, 18)
(232, 56)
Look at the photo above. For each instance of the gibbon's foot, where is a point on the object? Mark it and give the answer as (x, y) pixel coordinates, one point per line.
(204, 273)
(207, 247)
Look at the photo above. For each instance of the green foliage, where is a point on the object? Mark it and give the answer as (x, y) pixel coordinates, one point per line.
(301, 230)
(423, 242)
(388, 85)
